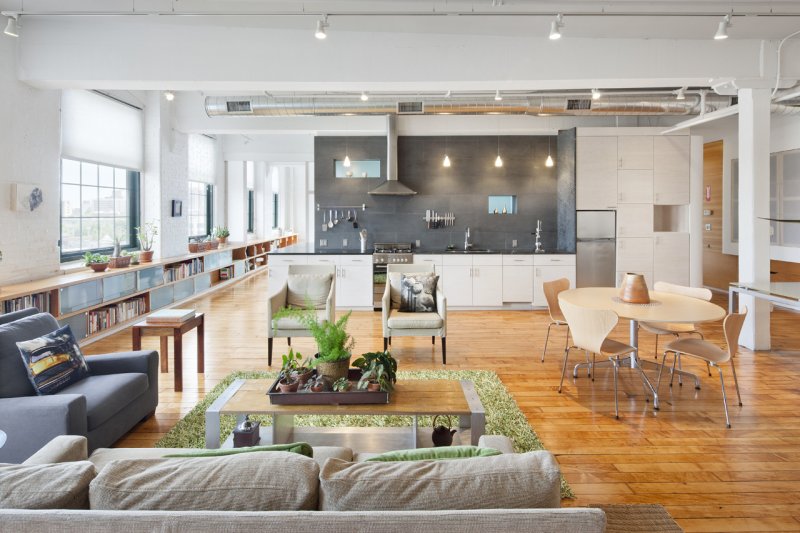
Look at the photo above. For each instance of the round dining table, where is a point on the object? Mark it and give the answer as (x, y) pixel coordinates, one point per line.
(663, 307)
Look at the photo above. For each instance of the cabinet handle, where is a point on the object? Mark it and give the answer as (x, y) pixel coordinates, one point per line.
(619, 197)
(538, 272)
(555, 260)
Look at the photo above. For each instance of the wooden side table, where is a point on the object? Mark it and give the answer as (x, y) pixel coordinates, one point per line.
(176, 330)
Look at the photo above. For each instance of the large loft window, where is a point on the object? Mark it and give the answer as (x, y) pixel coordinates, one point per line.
(99, 203)
(201, 202)
(251, 211)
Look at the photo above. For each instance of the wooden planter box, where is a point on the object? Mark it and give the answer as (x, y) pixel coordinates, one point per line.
(327, 398)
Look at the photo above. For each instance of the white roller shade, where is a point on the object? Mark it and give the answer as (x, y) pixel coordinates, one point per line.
(202, 159)
(96, 128)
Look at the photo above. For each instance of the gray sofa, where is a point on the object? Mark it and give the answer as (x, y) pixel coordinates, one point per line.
(540, 478)
(121, 390)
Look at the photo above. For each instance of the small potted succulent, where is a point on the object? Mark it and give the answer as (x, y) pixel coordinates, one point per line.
(288, 383)
(97, 262)
(146, 233)
(222, 234)
(133, 255)
(342, 385)
(318, 384)
(293, 364)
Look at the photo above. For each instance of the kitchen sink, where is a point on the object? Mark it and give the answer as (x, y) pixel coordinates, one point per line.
(472, 251)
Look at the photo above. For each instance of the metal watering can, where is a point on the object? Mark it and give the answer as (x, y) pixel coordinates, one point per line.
(442, 436)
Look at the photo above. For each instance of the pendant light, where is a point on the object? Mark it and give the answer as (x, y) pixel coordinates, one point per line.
(499, 161)
(549, 161)
(446, 162)
(346, 162)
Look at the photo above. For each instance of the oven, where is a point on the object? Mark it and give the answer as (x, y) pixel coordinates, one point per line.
(385, 254)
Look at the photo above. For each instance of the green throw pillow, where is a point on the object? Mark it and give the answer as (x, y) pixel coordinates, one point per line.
(302, 448)
(439, 453)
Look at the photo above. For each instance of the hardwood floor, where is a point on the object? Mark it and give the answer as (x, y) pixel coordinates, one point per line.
(710, 478)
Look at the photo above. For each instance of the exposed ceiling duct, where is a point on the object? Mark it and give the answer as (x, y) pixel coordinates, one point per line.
(568, 104)
(391, 187)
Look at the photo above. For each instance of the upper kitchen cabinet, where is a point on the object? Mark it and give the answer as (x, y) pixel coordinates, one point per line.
(671, 164)
(635, 220)
(634, 186)
(596, 173)
(635, 152)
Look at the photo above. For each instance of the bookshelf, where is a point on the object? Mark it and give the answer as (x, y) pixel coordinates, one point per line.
(98, 304)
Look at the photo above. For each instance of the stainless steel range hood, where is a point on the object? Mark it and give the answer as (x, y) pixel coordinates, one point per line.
(392, 187)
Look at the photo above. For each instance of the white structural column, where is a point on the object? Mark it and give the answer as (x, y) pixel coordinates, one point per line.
(754, 248)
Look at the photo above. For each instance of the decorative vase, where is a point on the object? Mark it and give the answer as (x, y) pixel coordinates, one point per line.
(634, 289)
(194, 247)
(335, 370)
(146, 256)
(222, 240)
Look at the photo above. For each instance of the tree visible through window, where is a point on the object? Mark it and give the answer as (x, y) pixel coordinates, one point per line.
(200, 209)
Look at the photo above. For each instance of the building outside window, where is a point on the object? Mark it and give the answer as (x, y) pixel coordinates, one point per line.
(201, 200)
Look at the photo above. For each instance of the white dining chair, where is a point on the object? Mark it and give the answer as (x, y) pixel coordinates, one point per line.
(551, 291)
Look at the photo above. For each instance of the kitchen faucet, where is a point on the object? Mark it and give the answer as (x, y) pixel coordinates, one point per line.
(467, 244)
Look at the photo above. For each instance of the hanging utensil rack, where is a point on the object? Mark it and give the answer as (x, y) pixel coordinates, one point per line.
(363, 207)
(436, 220)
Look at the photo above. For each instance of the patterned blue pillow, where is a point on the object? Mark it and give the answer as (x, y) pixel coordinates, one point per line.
(53, 361)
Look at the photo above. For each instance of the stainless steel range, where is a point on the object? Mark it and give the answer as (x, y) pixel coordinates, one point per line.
(387, 253)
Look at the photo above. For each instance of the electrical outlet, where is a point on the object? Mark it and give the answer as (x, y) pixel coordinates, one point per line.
(418, 244)
(323, 242)
(514, 243)
(708, 227)
(344, 243)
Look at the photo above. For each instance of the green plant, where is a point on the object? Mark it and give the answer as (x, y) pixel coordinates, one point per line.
(146, 233)
(89, 258)
(341, 385)
(291, 362)
(221, 232)
(383, 358)
(333, 342)
(375, 373)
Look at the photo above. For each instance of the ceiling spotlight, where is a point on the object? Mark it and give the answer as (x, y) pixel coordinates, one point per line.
(448, 93)
(555, 27)
(722, 29)
(596, 94)
(169, 95)
(497, 96)
(680, 94)
(12, 28)
(364, 96)
(322, 25)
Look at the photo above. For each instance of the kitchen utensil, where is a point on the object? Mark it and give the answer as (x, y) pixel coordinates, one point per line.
(324, 224)
(336, 222)
(355, 219)
(330, 218)
(349, 216)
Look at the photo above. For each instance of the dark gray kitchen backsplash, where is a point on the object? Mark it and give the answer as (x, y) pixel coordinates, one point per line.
(463, 189)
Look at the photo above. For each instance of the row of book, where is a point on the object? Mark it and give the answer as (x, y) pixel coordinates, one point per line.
(226, 273)
(183, 270)
(41, 301)
(106, 317)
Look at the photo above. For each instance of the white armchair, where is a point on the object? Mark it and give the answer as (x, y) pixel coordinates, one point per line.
(402, 324)
(314, 284)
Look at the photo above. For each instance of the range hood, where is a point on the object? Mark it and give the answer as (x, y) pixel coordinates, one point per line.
(392, 187)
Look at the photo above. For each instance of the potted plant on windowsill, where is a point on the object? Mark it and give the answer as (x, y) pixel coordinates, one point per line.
(211, 243)
(97, 262)
(146, 233)
(222, 234)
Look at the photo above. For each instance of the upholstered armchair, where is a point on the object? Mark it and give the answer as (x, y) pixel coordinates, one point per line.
(306, 285)
(398, 323)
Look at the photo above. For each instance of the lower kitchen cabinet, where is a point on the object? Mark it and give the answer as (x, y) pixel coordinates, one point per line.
(518, 278)
(473, 280)
(354, 281)
(487, 285)
(457, 276)
(550, 268)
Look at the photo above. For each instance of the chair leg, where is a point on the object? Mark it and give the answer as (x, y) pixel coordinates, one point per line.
(672, 370)
(546, 338)
(385, 343)
(658, 380)
(289, 341)
(563, 370)
(269, 351)
(444, 351)
(433, 339)
(592, 367)
(736, 382)
(390, 340)
(656, 354)
(615, 364)
(680, 367)
(724, 396)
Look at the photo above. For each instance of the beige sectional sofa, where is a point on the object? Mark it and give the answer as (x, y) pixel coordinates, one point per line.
(136, 490)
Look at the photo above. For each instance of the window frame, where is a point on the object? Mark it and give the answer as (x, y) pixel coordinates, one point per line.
(209, 210)
(133, 179)
(251, 211)
(275, 206)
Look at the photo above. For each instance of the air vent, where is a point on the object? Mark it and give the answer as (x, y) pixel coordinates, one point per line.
(583, 104)
(240, 106)
(410, 108)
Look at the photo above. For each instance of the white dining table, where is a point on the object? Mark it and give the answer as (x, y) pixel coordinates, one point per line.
(663, 307)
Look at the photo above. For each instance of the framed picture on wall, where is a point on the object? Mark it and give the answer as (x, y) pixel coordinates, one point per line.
(177, 208)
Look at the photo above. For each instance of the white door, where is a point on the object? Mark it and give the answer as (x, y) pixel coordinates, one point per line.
(671, 164)
(635, 220)
(457, 285)
(550, 273)
(596, 173)
(635, 152)
(634, 186)
(487, 285)
(671, 257)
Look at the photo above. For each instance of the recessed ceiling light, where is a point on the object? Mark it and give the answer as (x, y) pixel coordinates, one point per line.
(169, 96)
(497, 96)
(364, 96)
(555, 27)
(322, 26)
(722, 29)
(12, 28)
(596, 94)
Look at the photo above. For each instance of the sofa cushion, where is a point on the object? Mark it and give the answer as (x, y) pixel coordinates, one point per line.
(308, 289)
(53, 361)
(508, 481)
(401, 320)
(418, 292)
(293, 322)
(435, 454)
(277, 481)
(108, 394)
(14, 380)
(302, 448)
(46, 486)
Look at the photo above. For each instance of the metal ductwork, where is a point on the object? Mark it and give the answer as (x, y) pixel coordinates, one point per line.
(568, 104)
(391, 187)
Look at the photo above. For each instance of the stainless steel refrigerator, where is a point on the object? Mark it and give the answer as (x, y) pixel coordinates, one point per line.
(596, 248)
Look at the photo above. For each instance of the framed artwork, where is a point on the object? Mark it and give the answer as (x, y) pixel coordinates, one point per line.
(26, 197)
(177, 208)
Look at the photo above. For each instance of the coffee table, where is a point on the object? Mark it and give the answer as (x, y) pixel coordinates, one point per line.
(410, 398)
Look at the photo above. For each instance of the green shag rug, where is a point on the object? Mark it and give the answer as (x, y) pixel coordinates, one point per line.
(503, 416)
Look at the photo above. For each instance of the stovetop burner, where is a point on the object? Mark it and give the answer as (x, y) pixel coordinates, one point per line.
(392, 248)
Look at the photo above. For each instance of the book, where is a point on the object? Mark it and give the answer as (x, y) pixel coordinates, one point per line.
(171, 315)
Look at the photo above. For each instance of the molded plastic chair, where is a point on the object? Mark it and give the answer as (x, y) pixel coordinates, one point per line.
(551, 290)
(711, 353)
(590, 329)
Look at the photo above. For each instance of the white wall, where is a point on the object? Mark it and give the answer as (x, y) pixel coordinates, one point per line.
(236, 198)
(30, 151)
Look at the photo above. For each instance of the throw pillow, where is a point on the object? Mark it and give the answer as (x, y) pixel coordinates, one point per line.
(276, 481)
(435, 454)
(308, 289)
(48, 486)
(53, 361)
(506, 481)
(418, 292)
(302, 448)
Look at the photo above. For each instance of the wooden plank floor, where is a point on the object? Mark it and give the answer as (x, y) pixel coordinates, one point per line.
(710, 478)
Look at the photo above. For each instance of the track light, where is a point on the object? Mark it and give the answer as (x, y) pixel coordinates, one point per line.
(497, 96)
(680, 94)
(555, 27)
(596, 94)
(364, 96)
(169, 96)
(12, 28)
(322, 26)
(722, 29)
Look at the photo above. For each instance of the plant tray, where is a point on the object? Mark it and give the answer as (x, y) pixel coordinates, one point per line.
(350, 397)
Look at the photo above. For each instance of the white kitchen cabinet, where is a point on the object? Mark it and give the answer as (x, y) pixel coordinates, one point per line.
(549, 268)
(635, 152)
(635, 254)
(634, 186)
(354, 281)
(487, 280)
(433, 260)
(635, 220)
(322, 259)
(671, 257)
(279, 269)
(458, 285)
(671, 169)
(518, 278)
(596, 173)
